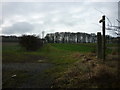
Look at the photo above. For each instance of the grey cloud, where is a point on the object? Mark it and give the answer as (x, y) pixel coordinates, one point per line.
(26, 8)
(63, 12)
(18, 28)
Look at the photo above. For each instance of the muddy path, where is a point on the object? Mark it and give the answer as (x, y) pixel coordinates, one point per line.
(37, 77)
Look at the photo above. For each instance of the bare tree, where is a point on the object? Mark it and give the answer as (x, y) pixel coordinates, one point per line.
(115, 29)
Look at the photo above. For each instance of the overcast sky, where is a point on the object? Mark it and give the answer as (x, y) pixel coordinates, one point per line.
(34, 17)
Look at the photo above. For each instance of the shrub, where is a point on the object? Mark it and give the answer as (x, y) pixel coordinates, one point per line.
(30, 42)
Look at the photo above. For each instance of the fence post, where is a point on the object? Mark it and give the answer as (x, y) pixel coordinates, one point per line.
(99, 45)
(103, 37)
(104, 46)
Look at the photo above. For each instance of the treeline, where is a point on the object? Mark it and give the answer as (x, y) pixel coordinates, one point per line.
(64, 37)
(10, 38)
(79, 37)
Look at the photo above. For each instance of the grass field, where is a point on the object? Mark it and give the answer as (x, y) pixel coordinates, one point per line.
(74, 65)
(76, 47)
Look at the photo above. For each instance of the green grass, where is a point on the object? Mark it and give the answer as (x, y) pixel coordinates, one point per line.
(112, 45)
(61, 59)
(12, 52)
(62, 56)
(11, 47)
(59, 54)
(84, 47)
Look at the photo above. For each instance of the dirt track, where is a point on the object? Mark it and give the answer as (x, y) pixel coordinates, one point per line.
(35, 71)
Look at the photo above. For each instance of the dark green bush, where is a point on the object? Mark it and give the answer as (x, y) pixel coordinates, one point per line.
(30, 42)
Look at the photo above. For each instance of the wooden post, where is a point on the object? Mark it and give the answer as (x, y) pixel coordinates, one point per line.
(103, 37)
(118, 41)
(99, 45)
(103, 29)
